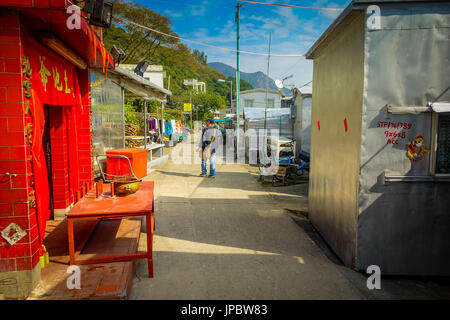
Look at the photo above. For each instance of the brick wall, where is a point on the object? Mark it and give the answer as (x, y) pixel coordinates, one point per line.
(85, 130)
(13, 152)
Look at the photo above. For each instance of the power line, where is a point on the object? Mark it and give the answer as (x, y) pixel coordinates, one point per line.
(205, 44)
(268, 21)
(290, 68)
(289, 6)
(305, 84)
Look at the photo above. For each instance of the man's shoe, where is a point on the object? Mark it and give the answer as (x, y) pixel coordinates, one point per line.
(202, 174)
(210, 176)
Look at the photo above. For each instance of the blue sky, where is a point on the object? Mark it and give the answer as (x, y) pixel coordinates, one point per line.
(213, 22)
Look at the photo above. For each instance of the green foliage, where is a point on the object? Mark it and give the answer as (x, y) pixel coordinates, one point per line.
(138, 43)
(200, 56)
(203, 103)
(174, 114)
(130, 114)
(153, 106)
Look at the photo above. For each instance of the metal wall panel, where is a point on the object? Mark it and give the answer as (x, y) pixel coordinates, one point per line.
(335, 152)
(302, 123)
(305, 137)
(403, 227)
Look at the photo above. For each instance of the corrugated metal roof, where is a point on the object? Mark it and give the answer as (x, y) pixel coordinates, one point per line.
(305, 90)
(260, 90)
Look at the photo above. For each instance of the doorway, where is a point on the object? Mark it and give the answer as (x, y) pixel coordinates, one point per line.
(56, 149)
(46, 144)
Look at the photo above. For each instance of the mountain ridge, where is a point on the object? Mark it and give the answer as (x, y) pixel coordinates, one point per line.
(256, 79)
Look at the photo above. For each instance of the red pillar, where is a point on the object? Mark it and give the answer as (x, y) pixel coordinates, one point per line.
(19, 260)
(85, 131)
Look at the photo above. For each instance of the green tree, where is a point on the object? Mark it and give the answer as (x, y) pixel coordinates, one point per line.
(200, 56)
(203, 103)
(138, 43)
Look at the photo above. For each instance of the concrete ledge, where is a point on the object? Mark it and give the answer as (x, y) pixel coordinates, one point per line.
(19, 284)
(60, 214)
(157, 161)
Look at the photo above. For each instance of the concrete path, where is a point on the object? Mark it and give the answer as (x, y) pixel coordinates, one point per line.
(231, 238)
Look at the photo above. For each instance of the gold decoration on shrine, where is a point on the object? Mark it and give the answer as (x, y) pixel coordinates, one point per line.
(29, 133)
(32, 199)
(27, 108)
(65, 80)
(58, 84)
(44, 72)
(26, 67)
(31, 180)
(27, 85)
(28, 72)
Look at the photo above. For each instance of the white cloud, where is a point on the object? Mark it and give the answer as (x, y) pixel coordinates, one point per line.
(326, 4)
(173, 14)
(198, 9)
(290, 19)
(331, 13)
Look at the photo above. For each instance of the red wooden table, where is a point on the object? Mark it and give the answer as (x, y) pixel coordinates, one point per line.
(140, 203)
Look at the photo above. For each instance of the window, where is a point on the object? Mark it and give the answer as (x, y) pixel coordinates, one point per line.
(443, 144)
(248, 103)
(270, 103)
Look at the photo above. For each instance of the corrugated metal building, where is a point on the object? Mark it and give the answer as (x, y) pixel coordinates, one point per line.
(380, 152)
(302, 98)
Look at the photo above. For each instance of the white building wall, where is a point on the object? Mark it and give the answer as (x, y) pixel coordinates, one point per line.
(259, 99)
(155, 77)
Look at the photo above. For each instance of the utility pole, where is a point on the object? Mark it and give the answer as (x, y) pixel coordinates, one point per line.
(162, 121)
(238, 81)
(231, 94)
(145, 123)
(265, 110)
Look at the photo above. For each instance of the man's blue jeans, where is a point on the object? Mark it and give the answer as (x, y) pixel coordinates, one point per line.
(212, 165)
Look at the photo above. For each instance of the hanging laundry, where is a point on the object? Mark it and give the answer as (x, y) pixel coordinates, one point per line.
(169, 128)
(174, 126)
(152, 124)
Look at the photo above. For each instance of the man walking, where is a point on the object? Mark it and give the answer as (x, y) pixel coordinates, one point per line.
(207, 148)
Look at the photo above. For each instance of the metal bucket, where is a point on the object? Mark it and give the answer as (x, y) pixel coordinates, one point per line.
(126, 186)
